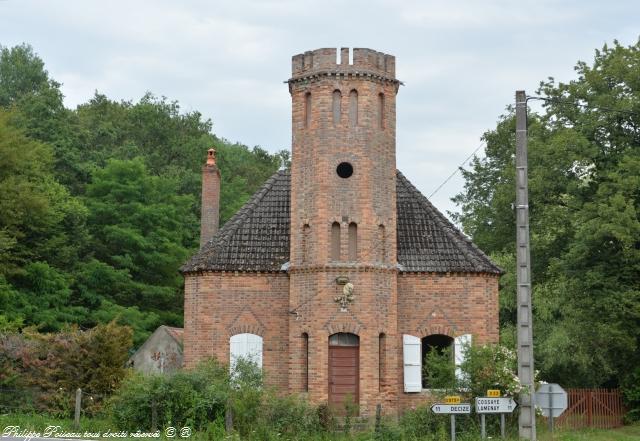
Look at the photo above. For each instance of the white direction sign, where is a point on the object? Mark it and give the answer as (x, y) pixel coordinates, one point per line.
(495, 405)
(451, 408)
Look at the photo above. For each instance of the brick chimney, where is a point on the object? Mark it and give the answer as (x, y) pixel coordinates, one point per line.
(210, 215)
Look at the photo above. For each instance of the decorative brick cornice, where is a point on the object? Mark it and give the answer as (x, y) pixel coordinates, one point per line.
(342, 74)
(385, 268)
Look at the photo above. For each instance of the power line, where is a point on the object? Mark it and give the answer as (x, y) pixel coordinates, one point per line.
(584, 106)
(456, 170)
(548, 100)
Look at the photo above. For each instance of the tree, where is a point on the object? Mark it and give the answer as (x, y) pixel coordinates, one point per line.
(584, 163)
(141, 226)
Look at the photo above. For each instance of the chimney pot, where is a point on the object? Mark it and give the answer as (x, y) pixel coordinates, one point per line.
(211, 157)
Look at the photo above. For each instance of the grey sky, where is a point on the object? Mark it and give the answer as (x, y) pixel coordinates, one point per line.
(460, 60)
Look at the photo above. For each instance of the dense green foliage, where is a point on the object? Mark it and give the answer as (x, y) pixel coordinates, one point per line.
(584, 190)
(99, 205)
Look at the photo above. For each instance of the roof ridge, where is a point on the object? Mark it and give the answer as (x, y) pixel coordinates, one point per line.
(451, 230)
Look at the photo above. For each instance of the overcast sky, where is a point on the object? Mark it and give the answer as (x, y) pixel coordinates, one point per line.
(461, 61)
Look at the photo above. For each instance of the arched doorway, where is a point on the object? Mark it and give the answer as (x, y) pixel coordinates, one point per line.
(344, 369)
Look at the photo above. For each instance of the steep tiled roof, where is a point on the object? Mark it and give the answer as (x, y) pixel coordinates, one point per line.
(257, 237)
(428, 242)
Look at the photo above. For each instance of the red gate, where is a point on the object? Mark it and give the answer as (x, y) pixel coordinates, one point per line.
(598, 408)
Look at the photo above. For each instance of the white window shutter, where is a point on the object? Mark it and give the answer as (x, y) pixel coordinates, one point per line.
(254, 349)
(412, 357)
(461, 345)
(247, 346)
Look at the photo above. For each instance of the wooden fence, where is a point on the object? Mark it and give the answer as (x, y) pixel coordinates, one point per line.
(598, 408)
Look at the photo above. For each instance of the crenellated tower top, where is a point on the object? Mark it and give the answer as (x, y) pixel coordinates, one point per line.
(321, 62)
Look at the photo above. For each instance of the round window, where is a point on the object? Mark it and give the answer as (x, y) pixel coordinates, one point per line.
(344, 170)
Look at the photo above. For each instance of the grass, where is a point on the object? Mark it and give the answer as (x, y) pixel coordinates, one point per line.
(38, 423)
(627, 433)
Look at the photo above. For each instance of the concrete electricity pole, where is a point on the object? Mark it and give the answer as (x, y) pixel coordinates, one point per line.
(527, 419)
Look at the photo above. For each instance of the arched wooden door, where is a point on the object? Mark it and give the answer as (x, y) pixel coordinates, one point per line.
(344, 369)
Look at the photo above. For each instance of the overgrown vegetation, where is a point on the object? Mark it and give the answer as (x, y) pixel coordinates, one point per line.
(41, 372)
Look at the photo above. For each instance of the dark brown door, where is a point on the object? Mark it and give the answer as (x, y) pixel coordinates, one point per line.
(344, 375)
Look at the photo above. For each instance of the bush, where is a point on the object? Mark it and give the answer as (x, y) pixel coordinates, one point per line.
(490, 367)
(439, 369)
(191, 398)
(46, 369)
(631, 394)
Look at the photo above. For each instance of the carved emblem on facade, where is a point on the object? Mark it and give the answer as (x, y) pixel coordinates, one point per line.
(346, 298)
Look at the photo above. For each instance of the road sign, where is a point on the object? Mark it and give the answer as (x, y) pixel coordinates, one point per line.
(452, 399)
(493, 393)
(451, 408)
(552, 399)
(495, 405)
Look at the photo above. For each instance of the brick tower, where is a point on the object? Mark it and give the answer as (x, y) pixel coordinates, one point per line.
(343, 263)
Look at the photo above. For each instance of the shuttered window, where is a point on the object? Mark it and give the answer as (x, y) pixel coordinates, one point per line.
(412, 353)
(461, 345)
(246, 346)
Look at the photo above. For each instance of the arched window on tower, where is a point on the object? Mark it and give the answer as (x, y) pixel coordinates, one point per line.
(306, 231)
(305, 361)
(381, 357)
(337, 109)
(307, 110)
(335, 241)
(353, 108)
(353, 242)
(382, 244)
(381, 110)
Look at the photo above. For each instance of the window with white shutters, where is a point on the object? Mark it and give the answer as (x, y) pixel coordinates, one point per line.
(412, 354)
(246, 346)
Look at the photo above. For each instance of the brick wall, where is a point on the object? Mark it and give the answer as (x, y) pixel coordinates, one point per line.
(449, 304)
(219, 305)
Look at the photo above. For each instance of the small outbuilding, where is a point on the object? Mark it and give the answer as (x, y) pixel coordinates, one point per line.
(161, 353)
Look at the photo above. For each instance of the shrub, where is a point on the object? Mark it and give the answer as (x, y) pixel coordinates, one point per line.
(191, 398)
(631, 394)
(48, 368)
(440, 370)
(489, 367)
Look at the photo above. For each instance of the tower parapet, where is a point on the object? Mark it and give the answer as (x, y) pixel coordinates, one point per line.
(366, 62)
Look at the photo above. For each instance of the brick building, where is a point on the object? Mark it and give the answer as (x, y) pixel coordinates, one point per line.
(337, 276)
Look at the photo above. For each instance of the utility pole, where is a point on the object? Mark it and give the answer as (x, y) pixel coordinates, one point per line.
(527, 419)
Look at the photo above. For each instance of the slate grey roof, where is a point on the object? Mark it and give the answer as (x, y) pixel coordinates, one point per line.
(257, 237)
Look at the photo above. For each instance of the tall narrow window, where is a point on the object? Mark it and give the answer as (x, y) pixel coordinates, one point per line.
(335, 241)
(307, 110)
(353, 242)
(305, 362)
(382, 244)
(353, 108)
(381, 357)
(337, 110)
(306, 230)
(381, 111)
